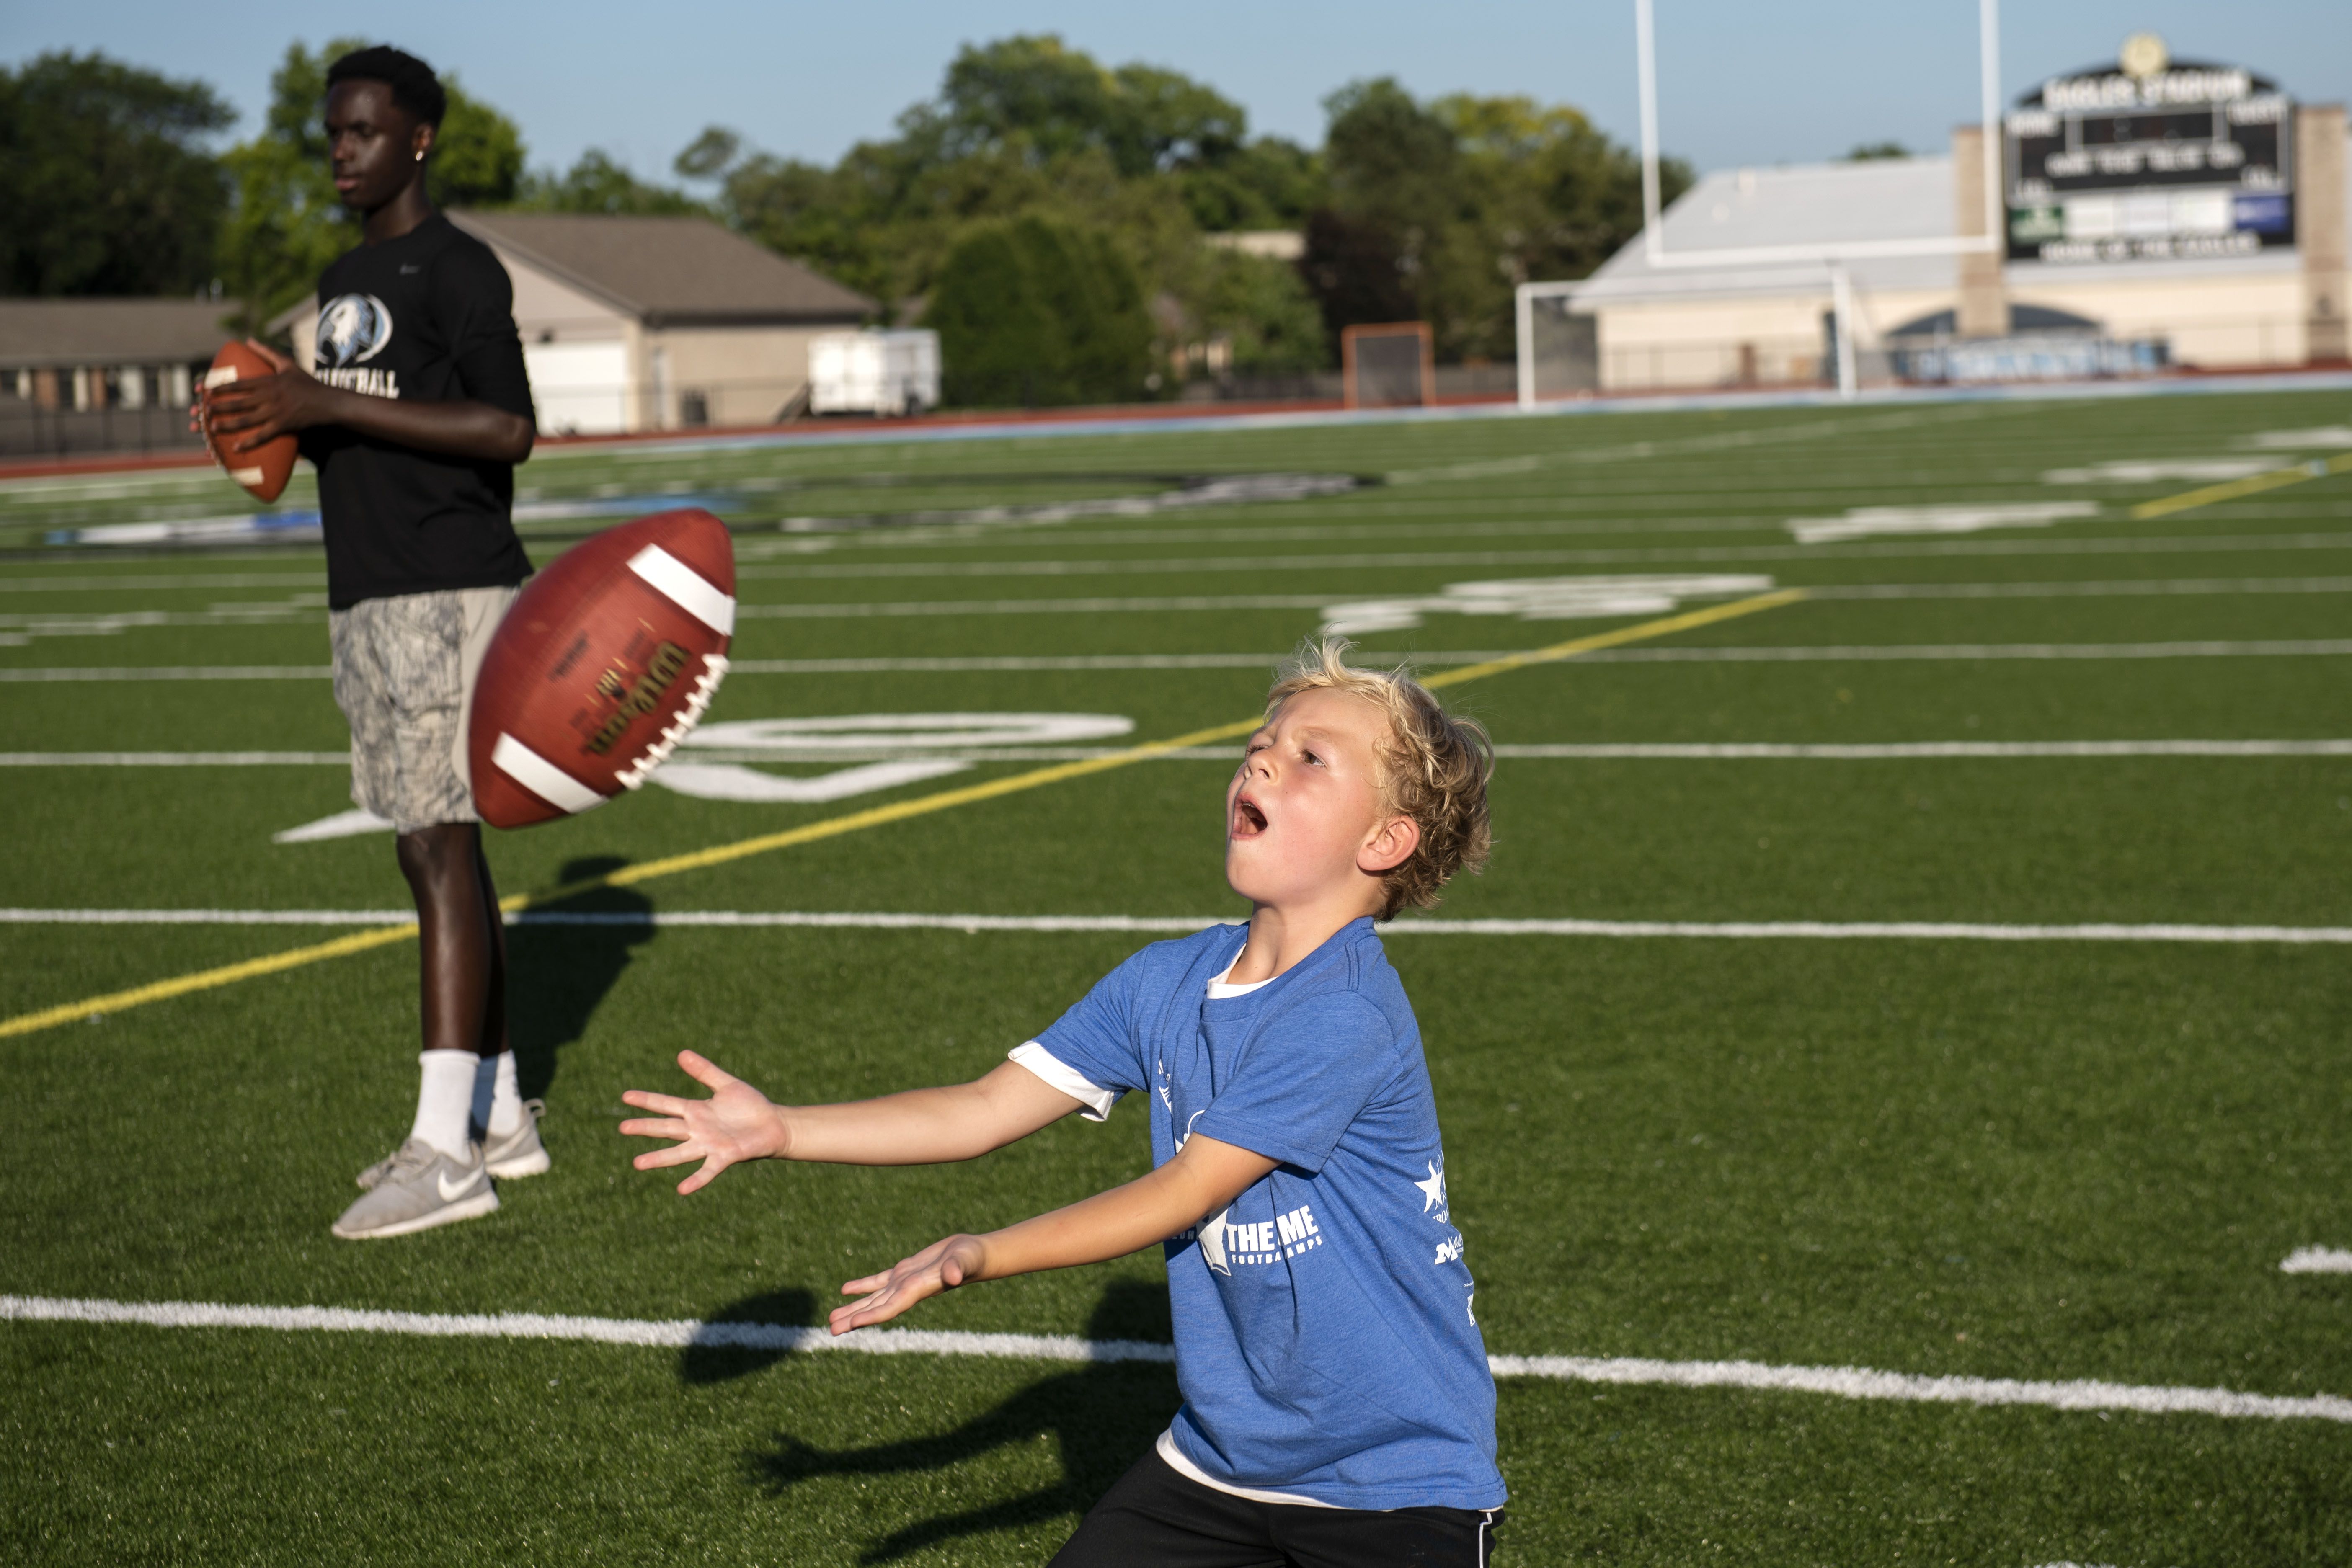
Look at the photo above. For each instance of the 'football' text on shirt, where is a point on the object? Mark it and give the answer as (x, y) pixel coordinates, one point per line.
(364, 378)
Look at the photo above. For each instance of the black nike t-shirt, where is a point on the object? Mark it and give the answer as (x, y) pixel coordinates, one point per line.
(428, 316)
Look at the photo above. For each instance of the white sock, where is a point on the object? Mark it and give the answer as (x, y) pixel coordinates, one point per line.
(497, 1103)
(444, 1100)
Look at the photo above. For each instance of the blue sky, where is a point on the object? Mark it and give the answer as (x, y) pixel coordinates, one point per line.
(1762, 81)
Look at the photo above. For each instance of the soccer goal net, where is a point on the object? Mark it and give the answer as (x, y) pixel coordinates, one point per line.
(1559, 346)
(1388, 366)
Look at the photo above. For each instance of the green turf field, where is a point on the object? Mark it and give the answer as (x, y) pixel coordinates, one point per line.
(2036, 1158)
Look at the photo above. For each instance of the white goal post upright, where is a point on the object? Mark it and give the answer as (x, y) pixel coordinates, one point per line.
(1834, 257)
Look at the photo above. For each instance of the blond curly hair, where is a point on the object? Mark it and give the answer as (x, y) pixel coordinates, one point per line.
(1433, 767)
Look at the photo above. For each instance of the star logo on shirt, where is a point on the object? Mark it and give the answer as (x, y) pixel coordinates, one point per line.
(1432, 1191)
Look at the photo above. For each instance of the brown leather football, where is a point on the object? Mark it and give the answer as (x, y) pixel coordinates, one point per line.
(606, 659)
(264, 470)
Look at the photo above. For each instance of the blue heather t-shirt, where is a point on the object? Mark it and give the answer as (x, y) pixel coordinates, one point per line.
(1325, 1345)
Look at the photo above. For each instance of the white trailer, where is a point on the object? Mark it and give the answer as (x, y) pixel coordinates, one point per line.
(875, 372)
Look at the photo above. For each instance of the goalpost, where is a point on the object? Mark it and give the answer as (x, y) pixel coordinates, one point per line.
(1547, 322)
(1392, 365)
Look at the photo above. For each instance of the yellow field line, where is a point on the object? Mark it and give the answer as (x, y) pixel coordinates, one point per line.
(855, 821)
(205, 979)
(2253, 485)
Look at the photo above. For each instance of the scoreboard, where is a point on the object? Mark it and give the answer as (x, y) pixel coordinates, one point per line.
(2153, 160)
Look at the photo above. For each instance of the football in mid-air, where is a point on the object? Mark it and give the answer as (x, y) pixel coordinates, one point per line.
(606, 659)
(264, 470)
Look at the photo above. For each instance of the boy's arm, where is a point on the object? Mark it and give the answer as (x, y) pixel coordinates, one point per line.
(1204, 1177)
(920, 1127)
(261, 409)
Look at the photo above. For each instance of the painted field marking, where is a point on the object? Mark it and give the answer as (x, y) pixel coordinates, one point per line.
(1531, 598)
(171, 672)
(1021, 662)
(972, 925)
(1204, 566)
(2129, 471)
(855, 821)
(2294, 440)
(2210, 494)
(173, 758)
(1943, 518)
(1901, 652)
(1536, 750)
(2126, 589)
(1902, 749)
(679, 1333)
(2317, 1260)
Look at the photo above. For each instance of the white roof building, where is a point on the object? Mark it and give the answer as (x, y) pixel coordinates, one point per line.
(1758, 324)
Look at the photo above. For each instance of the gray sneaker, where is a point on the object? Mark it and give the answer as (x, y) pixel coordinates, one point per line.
(519, 1153)
(420, 1187)
(372, 1178)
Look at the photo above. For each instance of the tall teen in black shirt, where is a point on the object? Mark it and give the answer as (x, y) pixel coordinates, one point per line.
(415, 418)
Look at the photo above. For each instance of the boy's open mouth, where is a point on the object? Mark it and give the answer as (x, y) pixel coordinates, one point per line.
(1248, 820)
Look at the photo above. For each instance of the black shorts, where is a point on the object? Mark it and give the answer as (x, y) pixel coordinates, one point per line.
(1156, 1518)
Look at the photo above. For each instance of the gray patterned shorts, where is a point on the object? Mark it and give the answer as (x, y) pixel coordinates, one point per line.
(404, 671)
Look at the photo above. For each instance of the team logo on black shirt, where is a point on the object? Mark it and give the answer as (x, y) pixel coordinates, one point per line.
(353, 330)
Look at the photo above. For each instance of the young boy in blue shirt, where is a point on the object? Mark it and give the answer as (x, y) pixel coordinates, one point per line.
(1337, 1408)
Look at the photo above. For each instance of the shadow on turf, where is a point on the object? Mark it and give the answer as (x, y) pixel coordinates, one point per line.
(1104, 1417)
(720, 1363)
(558, 975)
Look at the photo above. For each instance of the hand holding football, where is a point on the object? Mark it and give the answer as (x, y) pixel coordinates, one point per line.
(264, 469)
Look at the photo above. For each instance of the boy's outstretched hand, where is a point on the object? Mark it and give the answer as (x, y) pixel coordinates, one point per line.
(737, 1122)
(941, 1266)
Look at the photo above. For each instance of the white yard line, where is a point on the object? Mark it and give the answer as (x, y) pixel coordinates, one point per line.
(1635, 751)
(1838, 1381)
(1916, 930)
(113, 622)
(2193, 544)
(1095, 606)
(2123, 589)
(1735, 750)
(173, 759)
(208, 916)
(314, 580)
(851, 920)
(39, 675)
(2310, 647)
(2317, 1260)
(1899, 651)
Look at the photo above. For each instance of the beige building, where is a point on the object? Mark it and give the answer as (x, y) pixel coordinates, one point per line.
(651, 323)
(103, 374)
(1633, 325)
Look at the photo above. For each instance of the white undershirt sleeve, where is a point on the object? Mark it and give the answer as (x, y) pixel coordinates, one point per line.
(1059, 1075)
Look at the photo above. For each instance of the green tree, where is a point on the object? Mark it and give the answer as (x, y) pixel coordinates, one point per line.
(708, 155)
(595, 183)
(1544, 195)
(478, 158)
(1262, 309)
(1389, 160)
(105, 181)
(1269, 183)
(1038, 312)
(287, 223)
(1411, 210)
(1392, 173)
(1871, 152)
(1438, 211)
